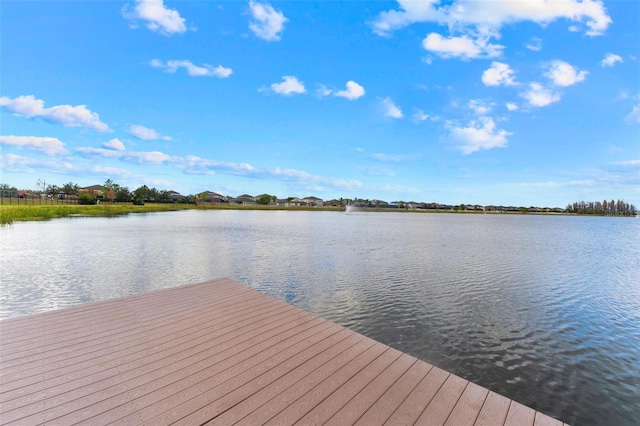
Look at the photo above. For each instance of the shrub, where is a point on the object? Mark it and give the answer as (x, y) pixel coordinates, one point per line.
(86, 199)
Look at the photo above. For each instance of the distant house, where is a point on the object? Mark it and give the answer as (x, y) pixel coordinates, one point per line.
(244, 199)
(175, 196)
(211, 197)
(313, 201)
(333, 203)
(95, 190)
(292, 202)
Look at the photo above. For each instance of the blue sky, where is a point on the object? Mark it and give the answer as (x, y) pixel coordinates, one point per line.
(490, 102)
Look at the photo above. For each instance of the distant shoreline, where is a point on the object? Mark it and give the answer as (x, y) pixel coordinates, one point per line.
(26, 213)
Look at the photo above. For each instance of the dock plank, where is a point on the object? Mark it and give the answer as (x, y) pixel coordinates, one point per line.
(221, 353)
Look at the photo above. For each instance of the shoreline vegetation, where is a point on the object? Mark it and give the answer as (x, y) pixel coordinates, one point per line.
(10, 213)
(108, 200)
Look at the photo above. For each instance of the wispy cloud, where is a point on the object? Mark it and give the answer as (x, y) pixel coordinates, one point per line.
(534, 44)
(67, 115)
(45, 145)
(634, 115)
(138, 157)
(145, 133)
(204, 70)
(480, 107)
(552, 184)
(192, 164)
(419, 115)
(114, 144)
(157, 16)
(610, 59)
(388, 158)
(267, 23)
(18, 164)
(390, 109)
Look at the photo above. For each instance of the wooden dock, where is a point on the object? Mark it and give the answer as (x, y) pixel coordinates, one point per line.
(220, 353)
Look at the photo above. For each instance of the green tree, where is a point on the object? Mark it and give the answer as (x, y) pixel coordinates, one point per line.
(71, 188)
(265, 199)
(7, 190)
(141, 193)
(53, 190)
(123, 194)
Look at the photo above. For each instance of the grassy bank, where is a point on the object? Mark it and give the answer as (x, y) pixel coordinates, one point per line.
(10, 213)
(19, 213)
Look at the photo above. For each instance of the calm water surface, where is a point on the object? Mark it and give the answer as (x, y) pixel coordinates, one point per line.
(542, 309)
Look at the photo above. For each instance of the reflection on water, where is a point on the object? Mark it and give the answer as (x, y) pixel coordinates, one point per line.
(545, 310)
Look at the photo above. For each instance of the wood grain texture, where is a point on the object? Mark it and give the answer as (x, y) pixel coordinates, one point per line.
(220, 353)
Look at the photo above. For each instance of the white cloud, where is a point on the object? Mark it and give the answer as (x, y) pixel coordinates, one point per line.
(155, 157)
(46, 145)
(479, 106)
(139, 157)
(158, 17)
(493, 14)
(479, 134)
(551, 184)
(390, 109)
(462, 47)
(535, 44)
(511, 106)
(310, 181)
(410, 12)
(205, 70)
(98, 152)
(388, 158)
(353, 91)
(564, 74)
(17, 164)
(196, 165)
(498, 74)
(419, 116)
(67, 115)
(610, 60)
(323, 91)
(111, 172)
(634, 115)
(289, 86)
(540, 96)
(146, 133)
(114, 144)
(267, 23)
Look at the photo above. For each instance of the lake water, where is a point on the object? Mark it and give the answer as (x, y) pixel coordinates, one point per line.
(542, 309)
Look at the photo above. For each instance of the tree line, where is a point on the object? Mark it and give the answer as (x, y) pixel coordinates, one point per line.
(604, 208)
(110, 191)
